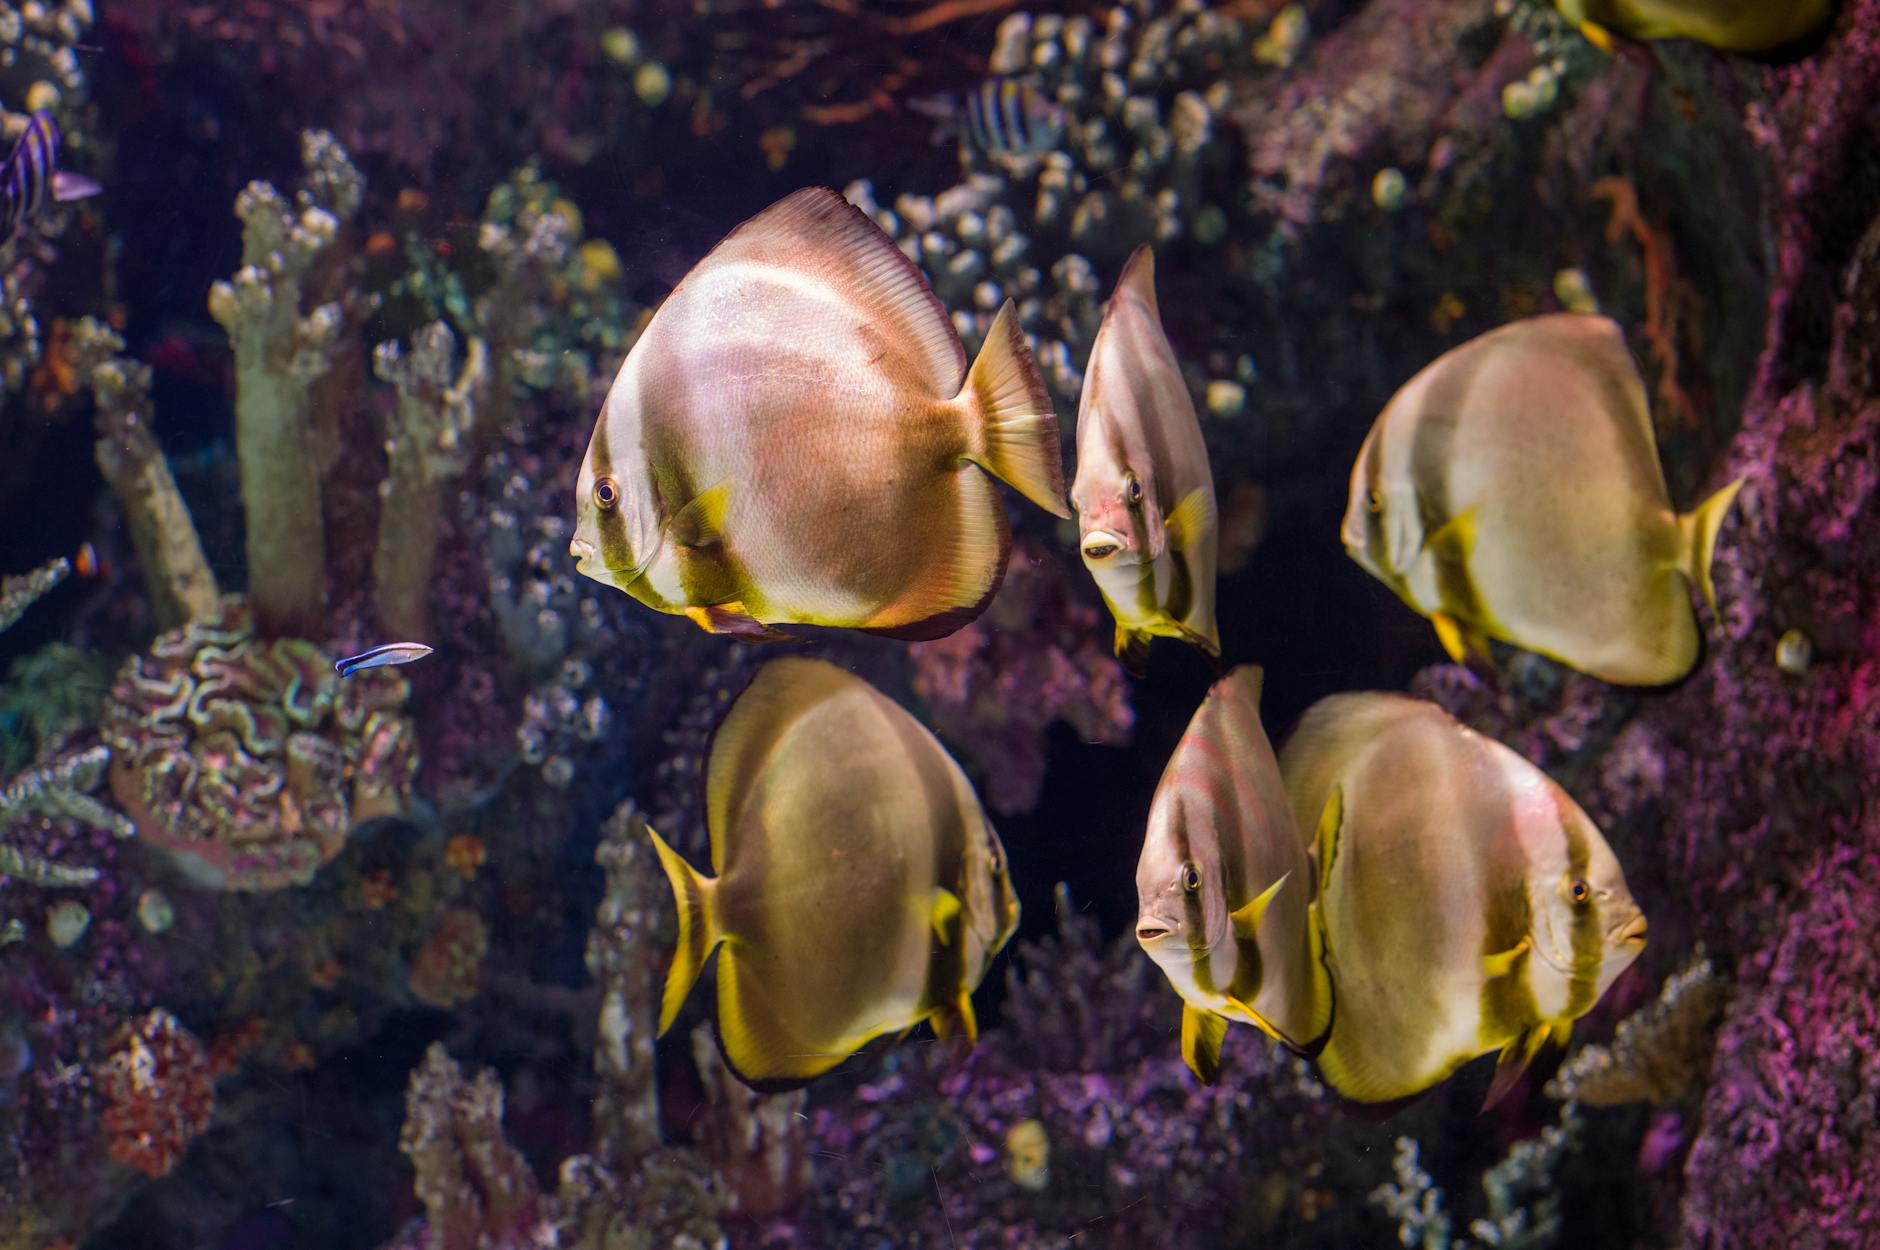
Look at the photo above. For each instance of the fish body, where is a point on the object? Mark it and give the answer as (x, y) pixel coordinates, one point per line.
(380, 657)
(789, 441)
(1466, 904)
(1006, 117)
(858, 887)
(31, 176)
(1144, 491)
(1729, 25)
(1512, 490)
(1223, 885)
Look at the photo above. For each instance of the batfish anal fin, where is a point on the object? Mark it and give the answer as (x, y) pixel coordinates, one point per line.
(733, 620)
(701, 523)
(1132, 649)
(1202, 1034)
(1515, 1058)
(956, 1020)
(1247, 919)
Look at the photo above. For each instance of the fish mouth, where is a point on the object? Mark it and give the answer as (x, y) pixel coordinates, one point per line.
(1150, 929)
(1631, 933)
(1100, 545)
(582, 550)
(588, 564)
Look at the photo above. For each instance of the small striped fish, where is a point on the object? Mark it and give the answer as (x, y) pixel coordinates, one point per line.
(31, 175)
(379, 657)
(1006, 116)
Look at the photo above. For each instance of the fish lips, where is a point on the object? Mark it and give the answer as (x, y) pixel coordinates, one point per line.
(587, 563)
(1154, 930)
(1101, 545)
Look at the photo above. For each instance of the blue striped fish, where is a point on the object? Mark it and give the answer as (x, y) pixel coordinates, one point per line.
(379, 657)
(32, 175)
(1001, 116)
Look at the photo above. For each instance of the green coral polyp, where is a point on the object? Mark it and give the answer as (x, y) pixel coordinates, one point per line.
(247, 760)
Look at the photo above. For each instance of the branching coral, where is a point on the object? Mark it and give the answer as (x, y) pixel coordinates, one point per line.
(1523, 1202)
(477, 1191)
(249, 760)
(23, 590)
(1658, 1054)
(281, 347)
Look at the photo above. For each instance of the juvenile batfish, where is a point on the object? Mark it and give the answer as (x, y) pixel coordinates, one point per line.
(1731, 25)
(789, 440)
(1223, 885)
(31, 176)
(859, 888)
(1144, 492)
(1512, 490)
(1466, 903)
(379, 657)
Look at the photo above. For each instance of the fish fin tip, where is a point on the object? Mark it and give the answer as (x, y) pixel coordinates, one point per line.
(956, 1020)
(1699, 529)
(698, 934)
(1138, 278)
(1597, 35)
(1449, 633)
(733, 621)
(944, 915)
(1017, 435)
(1513, 1063)
(1501, 963)
(1192, 519)
(1132, 651)
(701, 522)
(1247, 918)
(1202, 1035)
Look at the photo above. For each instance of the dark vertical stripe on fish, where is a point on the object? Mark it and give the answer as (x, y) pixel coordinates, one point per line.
(1012, 110)
(1588, 924)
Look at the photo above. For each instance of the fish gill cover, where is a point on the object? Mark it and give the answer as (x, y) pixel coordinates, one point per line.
(316, 371)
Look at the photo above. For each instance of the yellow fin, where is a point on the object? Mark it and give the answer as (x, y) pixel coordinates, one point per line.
(1202, 1034)
(701, 522)
(1515, 1058)
(1598, 36)
(1193, 517)
(1325, 837)
(955, 1019)
(1017, 436)
(698, 928)
(945, 916)
(1449, 633)
(1698, 530)
(1247, 919)
(755, 1042)
(1501, 963)
(1454, 540)
(1132, 649)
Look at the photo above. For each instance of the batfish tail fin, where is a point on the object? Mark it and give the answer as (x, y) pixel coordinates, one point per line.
(1015, 436)
(699, 933)
(1698, 531)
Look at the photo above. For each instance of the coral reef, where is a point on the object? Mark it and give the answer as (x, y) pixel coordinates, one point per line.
(159, 1093)
(1523, 1201)
(1037, 655)
(1658, 1053)
(249, 761)
(477, 1191)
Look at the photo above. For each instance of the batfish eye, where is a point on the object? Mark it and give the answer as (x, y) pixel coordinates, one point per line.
(1132, 488)
(606, 492)
(1374, 501)
(1191, 877)
(1579, 892)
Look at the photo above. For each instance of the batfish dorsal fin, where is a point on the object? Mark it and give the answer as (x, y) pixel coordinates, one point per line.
(1138, 280)
(816, 232)
(1202, 1034)
(756, 723)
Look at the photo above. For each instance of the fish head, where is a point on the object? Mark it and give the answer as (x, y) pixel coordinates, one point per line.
(1383, 526)
(1181, 897)
(616, 532)
(1118, 521)
(1582, 917)
(991, 902)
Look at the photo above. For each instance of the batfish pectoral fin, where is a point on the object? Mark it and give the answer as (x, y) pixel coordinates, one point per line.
(1501, 963)
(1597, 35)
(945, 916)
(1192, 519)
(1132, 648)
(733, 620)
(956, 1020)
(1453, 541)
(1202, 1034)
(701, 523)
(1259, 1021)
(1247, 919)
(1515, 1058)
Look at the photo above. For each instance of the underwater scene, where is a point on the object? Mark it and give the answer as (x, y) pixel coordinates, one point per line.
(939, 624)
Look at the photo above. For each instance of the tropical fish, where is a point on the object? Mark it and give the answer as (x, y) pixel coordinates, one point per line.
(1465, 902)
(1729, 25)
(32, 175)
(789, 440)
(1144, 493)
(859, 888)
(1000, 116)
(1224, 883)
(1512, 490)
(379, 657)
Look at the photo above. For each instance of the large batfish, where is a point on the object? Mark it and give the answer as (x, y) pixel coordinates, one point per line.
(1732, 25)
(790, 441)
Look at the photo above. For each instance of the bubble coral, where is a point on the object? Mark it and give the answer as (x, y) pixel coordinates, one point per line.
(249, 760)
(158, 1085)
